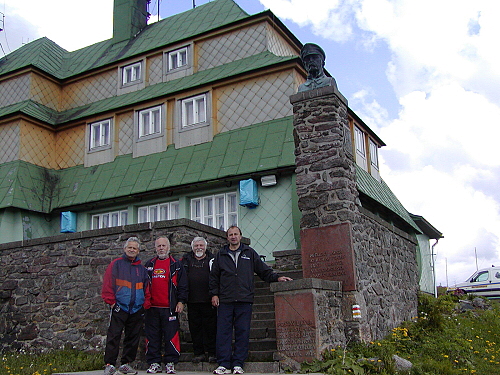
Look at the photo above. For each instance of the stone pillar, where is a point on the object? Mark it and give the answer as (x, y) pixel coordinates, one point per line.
(326, 185)
(308, 318)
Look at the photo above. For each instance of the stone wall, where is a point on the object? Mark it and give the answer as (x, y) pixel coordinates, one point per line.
(50, 288)
(341, 240)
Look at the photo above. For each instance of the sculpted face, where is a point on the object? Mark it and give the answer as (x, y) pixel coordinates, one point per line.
(314, 64)
(162, 247)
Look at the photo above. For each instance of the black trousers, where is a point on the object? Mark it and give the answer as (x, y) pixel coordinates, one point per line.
(162, 327)
(132, 324)
(202, 319)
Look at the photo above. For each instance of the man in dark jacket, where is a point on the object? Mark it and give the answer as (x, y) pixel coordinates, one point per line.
(232, 290)
(169, 292)
(202, 316)
(125, 289)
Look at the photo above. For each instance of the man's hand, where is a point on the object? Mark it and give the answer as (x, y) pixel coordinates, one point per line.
(284, 278)
(179, 307)
(215, 301)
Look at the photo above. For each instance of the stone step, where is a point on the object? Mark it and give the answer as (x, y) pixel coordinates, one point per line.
(255, 345)
(250, 367)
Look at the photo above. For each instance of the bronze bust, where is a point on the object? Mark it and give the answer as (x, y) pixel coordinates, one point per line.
(313, 58)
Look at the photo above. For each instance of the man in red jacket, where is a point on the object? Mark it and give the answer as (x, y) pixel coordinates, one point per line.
(125, 289)
(169, 293)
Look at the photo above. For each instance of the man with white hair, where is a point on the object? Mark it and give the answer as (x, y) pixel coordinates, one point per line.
(202, 316)
(125, 289)
(169, 291)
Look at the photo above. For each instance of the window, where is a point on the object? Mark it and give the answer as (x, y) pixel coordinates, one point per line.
(218, 211)
(373, 154)
(131, 73)
(360, 141)
(178, 58)
(194, 110)
(100, 134)
(481, 277)
(110, 219)
(158, 212)
(150, 121)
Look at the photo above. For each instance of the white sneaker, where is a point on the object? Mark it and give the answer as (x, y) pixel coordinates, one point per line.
(237, 370)
(221, 370)
(169, 368)
(154, 368)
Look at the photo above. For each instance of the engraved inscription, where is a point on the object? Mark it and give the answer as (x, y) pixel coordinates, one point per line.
(327, 264)
(297, 339)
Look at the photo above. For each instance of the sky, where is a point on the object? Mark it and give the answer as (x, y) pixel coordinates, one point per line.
(424, 75)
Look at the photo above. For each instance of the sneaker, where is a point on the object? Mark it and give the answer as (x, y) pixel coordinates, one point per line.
(221, 370)
(237, 370)
(154, 368)
(109, 370)
(169, 368)
(126, 369)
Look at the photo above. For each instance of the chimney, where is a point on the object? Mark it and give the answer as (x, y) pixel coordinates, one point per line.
(129, 18)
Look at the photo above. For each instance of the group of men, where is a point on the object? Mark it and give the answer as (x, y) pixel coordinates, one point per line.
(218, 291)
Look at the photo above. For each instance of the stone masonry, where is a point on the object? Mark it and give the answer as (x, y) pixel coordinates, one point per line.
(50, 288)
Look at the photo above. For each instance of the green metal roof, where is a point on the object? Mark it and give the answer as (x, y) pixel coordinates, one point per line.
(251, 149)
(56, 61)
(205, 77)
(380, 192)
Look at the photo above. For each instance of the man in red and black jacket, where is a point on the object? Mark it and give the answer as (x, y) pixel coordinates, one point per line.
(125, 289)
(169, 293)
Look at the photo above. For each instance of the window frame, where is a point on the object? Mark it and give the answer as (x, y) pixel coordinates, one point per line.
(103, 144)
(121, 215)
(135, 77)
(197, 119)
(204, 210)
(373, 154)
(175, 54)
(157, 210)
(141, 134)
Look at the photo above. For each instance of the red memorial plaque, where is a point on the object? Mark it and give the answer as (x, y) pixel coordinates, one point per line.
(327, 253)
(296, 326)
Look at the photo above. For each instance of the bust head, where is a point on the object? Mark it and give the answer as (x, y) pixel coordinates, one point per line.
(313, 58)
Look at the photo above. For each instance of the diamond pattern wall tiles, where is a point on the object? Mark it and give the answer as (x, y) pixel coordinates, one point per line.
(270, 225)
(125, 124)
(90, 90)
(232, 46)
(70, 146)
(155, 69)
(14, 90)
(254, 101)
(45, 92)
(9, 134)
(37, 145)
(277, 45)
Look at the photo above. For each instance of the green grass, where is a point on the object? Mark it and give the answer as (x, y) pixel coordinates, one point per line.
(439, 341)
(49, 362)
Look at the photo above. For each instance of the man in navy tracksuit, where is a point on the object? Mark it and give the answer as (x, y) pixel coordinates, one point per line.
(125, 289)
(169, 293)
(232, 290)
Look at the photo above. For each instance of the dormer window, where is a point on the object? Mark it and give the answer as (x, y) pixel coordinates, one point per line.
(359, 141)
(132, 74)
(373, 154)
(150, 122)
(194, 111)
(178, 59)
(100, 134)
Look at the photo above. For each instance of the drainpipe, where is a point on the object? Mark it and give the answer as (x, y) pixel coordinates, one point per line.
(434, 267)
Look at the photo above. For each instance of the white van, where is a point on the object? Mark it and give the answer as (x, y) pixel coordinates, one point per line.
(485, 282)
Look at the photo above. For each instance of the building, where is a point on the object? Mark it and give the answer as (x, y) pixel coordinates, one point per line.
(164, 121)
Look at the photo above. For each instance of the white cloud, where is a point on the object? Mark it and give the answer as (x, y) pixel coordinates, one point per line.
(70, 24)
